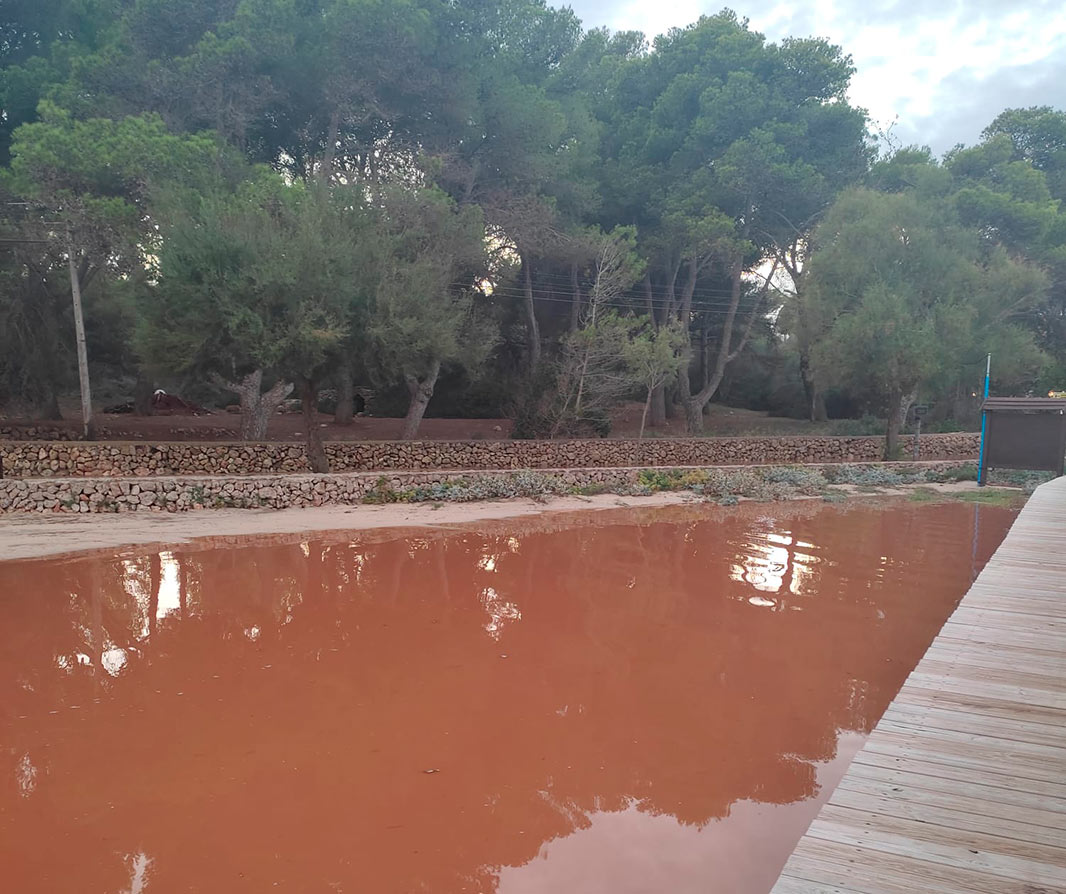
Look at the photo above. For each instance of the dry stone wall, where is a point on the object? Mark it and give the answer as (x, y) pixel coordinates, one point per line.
(179, 494)
(51, 459)
(41, 433)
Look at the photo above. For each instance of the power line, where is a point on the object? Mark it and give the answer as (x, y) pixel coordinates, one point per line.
(638, 303)
(659, 288)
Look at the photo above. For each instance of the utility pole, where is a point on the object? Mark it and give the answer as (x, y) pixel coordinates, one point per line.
(981, 470)
(79, 333)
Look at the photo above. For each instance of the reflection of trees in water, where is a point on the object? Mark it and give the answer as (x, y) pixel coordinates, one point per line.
(292, 700)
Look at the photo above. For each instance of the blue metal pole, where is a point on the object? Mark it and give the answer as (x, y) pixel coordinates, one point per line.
(984, 422)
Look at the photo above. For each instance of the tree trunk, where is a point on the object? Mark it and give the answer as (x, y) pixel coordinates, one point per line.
(892, 431)
(49, 408)
(909, 399)
(684, 382)
(345, 411)
(693, 415)
(727, 351)
(316, 451)
(421, 391)
(332, 135)
(142, 396)
(531, 317)
(644, 415)
(575, 299)
(256, 408)
(814, 400)
(671, 401)
(658, 405)
(88, 431)
(705, 359)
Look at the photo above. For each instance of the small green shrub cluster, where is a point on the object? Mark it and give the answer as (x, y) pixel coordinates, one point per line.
(473, 487)
(724, 485)
(653, 480)
(1026, 480)
(870, 476)
(762, 484)
(966, 472)
(591, 490)
(806, 480)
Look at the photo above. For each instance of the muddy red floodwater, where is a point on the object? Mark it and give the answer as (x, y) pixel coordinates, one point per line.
(641, 701)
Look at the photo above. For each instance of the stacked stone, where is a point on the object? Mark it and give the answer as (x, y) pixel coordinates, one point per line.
(181, 493)
(61, 459)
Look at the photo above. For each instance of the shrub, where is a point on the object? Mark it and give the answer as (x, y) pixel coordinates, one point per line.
(870, 476)
(808, 481)
(381, 492)
(591, 489)
(1026, 480)
(657, 479)
(966, 472)
(473, 487)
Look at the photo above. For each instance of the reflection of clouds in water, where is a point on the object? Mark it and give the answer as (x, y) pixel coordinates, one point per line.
(771, 558)
(634, 849)
(113, 660)
(169, 586)
(25, 776)
(137, 581)
(500, 611)
(138, 865)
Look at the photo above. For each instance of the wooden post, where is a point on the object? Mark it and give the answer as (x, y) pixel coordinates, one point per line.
(79, 332)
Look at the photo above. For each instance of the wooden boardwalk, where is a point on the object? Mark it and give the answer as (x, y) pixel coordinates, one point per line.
(962, 785)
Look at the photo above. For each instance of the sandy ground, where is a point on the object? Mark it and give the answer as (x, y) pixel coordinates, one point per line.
(29, 535)
(32, 535)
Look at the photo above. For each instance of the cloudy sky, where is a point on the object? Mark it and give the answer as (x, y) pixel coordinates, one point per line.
(942, 69)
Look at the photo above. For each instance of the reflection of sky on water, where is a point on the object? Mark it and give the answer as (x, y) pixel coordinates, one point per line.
(634, 851)
(776, 562)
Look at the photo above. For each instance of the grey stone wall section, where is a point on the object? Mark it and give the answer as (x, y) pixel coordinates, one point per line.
(63, 459)
(181, 493)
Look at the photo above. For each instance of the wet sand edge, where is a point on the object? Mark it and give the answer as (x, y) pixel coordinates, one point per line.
(36, 535)
(30, 536)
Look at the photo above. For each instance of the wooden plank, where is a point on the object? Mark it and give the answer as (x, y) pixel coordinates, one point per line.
(964, 850)
(953, 813)
(943, 718)
(918, 696)
(982, 748)
(961, 787)
(801, 886)
(998, 797)
(1003, 779)
(824, 863)
(978, 669)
